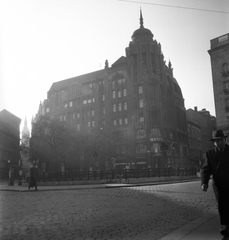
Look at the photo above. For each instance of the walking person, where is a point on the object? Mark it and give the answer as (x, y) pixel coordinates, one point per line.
(33, 176)
(217, 165)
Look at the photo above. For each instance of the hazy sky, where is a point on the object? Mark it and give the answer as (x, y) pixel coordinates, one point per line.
(44, 41)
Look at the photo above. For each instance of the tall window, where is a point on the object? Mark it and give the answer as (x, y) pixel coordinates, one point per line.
(120, 107)
(225, 69)
(114, 107)
(125, 105)
(140, 90)
(115, 122)
(126, 120)
(226, 87)
(113, 94)
(124, 92)
(141, 103)
(119, 94)
(120, 121)
(227, 104)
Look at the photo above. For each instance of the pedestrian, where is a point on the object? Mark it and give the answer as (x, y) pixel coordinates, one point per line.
(217, 165)
(33, 176)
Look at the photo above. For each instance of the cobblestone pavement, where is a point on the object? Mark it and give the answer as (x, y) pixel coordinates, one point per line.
(144, 212)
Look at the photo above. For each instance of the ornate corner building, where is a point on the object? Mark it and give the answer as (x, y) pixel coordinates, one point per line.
(136, 101)
(219, 54)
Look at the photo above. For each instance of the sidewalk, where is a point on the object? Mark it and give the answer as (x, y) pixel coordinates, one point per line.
(204, 228)
(74, 185)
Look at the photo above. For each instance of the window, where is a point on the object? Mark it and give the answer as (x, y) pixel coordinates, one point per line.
(73, 116)
(125, 105)
(120, 107)
(140, 90)
(61, 118)
(124, 92)
(89, 124)
(227, 104)
(119, 94)
(47, 110)
(93, 124)
(85, 101)
(78, 115)
(70, 104)
(141, 119)
(114, 107)
(225, 70)
(78, 127)
(64, 118)
(66, 105)
(89, 100)
(141, 134)
(141, 148)
(141, 103)
(115, 122)
(103, 97)
(126, 120)
(113, 94)
(120, 121)
(93, 112)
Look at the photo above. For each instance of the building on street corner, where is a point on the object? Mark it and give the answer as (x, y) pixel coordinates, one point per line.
(135, 108)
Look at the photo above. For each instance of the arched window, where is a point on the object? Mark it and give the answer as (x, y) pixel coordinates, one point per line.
(225, 69)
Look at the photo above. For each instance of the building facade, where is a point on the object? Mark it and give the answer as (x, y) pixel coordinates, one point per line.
(219, 54)
(136, 104)
(195, 145)
(9, 142)
(207, 124)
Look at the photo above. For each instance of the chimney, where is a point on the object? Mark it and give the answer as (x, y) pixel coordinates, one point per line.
(195, 109)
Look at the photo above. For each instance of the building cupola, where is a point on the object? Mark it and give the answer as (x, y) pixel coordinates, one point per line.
(142, 34)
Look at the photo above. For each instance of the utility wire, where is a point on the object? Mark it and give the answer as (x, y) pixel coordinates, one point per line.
(165, 5)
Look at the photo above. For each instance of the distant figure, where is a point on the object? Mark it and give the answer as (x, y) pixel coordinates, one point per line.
(33, 176)
(217, 165)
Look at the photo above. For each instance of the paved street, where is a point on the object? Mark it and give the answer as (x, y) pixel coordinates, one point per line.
(144, 212)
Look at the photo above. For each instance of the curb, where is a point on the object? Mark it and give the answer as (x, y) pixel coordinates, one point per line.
(91, 186)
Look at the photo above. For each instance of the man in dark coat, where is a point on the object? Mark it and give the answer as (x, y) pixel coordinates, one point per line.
(33, 177)
(217, 165)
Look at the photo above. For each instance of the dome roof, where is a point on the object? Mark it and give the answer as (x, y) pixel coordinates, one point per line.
(142, 32)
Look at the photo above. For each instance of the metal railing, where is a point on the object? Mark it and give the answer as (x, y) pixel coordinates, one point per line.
(115, 174)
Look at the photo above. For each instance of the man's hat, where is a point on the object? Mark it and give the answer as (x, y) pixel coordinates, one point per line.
(217, 135)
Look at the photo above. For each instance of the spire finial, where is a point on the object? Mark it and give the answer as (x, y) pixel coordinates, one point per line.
(141, 18)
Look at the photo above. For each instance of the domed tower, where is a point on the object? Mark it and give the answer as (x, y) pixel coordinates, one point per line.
(157, 104)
